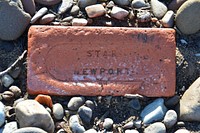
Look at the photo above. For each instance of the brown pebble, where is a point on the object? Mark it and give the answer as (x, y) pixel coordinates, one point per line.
(15, 90)
(45, 100)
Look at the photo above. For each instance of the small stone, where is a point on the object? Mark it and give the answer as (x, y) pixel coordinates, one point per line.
(9, 127)
(137, 123)
(154, 111)
(170, 118)
(182, 131)
(135, 104)
(90, 104)
(65, 6)
(85, 114)
(68, 19)
(29, 130)
(158, 8)
(157, 127)
(189, 108)
(14, 20)
(84, 3)
(118, 13)
(172, 101)
(45, 100)
(61, 131)
(108, 123)
(74, 125)
(110, 4)
(122, 2)
(187, 17)
(75, 10)
(48, 2)
(48, 18)
(91, 131)
(15, 72)
(79, 22)
(39, 14)
(175, 4)
(128, 125)
(29, 6)
(75, 103)
(143, 16)
(180, 124)
(8, 95)
(168, 20)
(7, 80)
(31, 113)
(16, 91)
(58, 111)
(2, 114)
(95, 10)
(131, 131)
(138, 4)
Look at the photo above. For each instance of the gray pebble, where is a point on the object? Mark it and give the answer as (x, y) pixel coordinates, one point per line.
(29, 6)
(168, 20)
(122, 2)
(90, 104)
(16, 91)
(158, 8)
(75, 10)
(65, 6)
(7, 80)
(170, 118)
(154, 111)
(85, 113)
(2, 114)
(58, 111)
(175, 4)
(84, 3)
(157, 127)
(95, 10)
(15, 72)
(9, 127)
(48, 18)
(68, 19)
(74, 124)
(39, 14)
(110, 4)
(143, 16)
(137, 123)
(75, 102)
(119, 13)
(48, 2)
(173, 101)
(29, 130)
(135, 104)
(108, 123)
(138, 4)
(128, 125)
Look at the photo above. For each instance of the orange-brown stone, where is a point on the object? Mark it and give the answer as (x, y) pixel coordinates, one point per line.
(101, 61)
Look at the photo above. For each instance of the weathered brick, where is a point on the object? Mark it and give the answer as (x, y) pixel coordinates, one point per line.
(101, 61)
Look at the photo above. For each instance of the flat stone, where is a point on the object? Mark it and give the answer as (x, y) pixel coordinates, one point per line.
(79, 22)
(46, 19)
(97, 64)
(14, 20)
(95, 10)
(138, 4)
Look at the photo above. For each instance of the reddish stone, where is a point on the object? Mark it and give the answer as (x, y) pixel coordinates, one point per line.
(101, 61)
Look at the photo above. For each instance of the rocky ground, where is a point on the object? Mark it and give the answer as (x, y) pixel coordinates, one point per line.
(130, 113)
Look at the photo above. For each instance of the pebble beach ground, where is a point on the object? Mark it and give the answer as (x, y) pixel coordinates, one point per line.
(23, 113)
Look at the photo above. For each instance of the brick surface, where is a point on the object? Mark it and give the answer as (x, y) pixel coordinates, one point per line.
(101, 61)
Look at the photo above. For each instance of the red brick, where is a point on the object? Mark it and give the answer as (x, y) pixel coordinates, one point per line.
(63, 61)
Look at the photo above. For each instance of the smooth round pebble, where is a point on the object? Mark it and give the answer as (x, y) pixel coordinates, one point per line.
(48, 2)
(39, 14)
(58, 111)
(75, 10)
(10, 127)
(48, 18)
(84, 3)
(182, 131)
(29, 6)
(29, 130)
(2, 114)
(157, 127)
(75, 102)
(90, 104)
(91, 131)
(118, 13)
(170, 118)
(131, 131)
(85, 113)
(173, 101)
(95, 10)
(65, 6)
(16, 91)
(138, 4)
(74, 124)
(122, 2)
(108, 123)
(7, 80)
(158, 8)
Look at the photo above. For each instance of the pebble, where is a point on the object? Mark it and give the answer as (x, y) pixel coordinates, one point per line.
(79, 22)
(84, 3)
(189, 108)
(48, 18)
(118, 13)
(75, 10)
(14, 20)
(175, 4)
(2, 114)
(7, 80)
(29, 130)
(95, 10)
(15, 72)
(68, 19)
(74, 125)
(48, 2)
(137, 123)
(170, 118)
(157, 127)
(29, 6)
(110, 4)
(39, 14)
(131, 131)
(85, 113)
(187, 17)
(144, 16)
(122, 2)
(128, 125)
(154, 111)
(9, 127)
(15, 90)
(138, 4)
(158, 8)
(108, 123)
(168, 20)
(173, 101)
(31, 113)
(182, 131)
(75, 102)
(91, 131)
(61, 131)
(180, 124)
(90, 104)
(135, 104)
(65, 6)
(8, 95)
(58, 111)
(45, 100)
